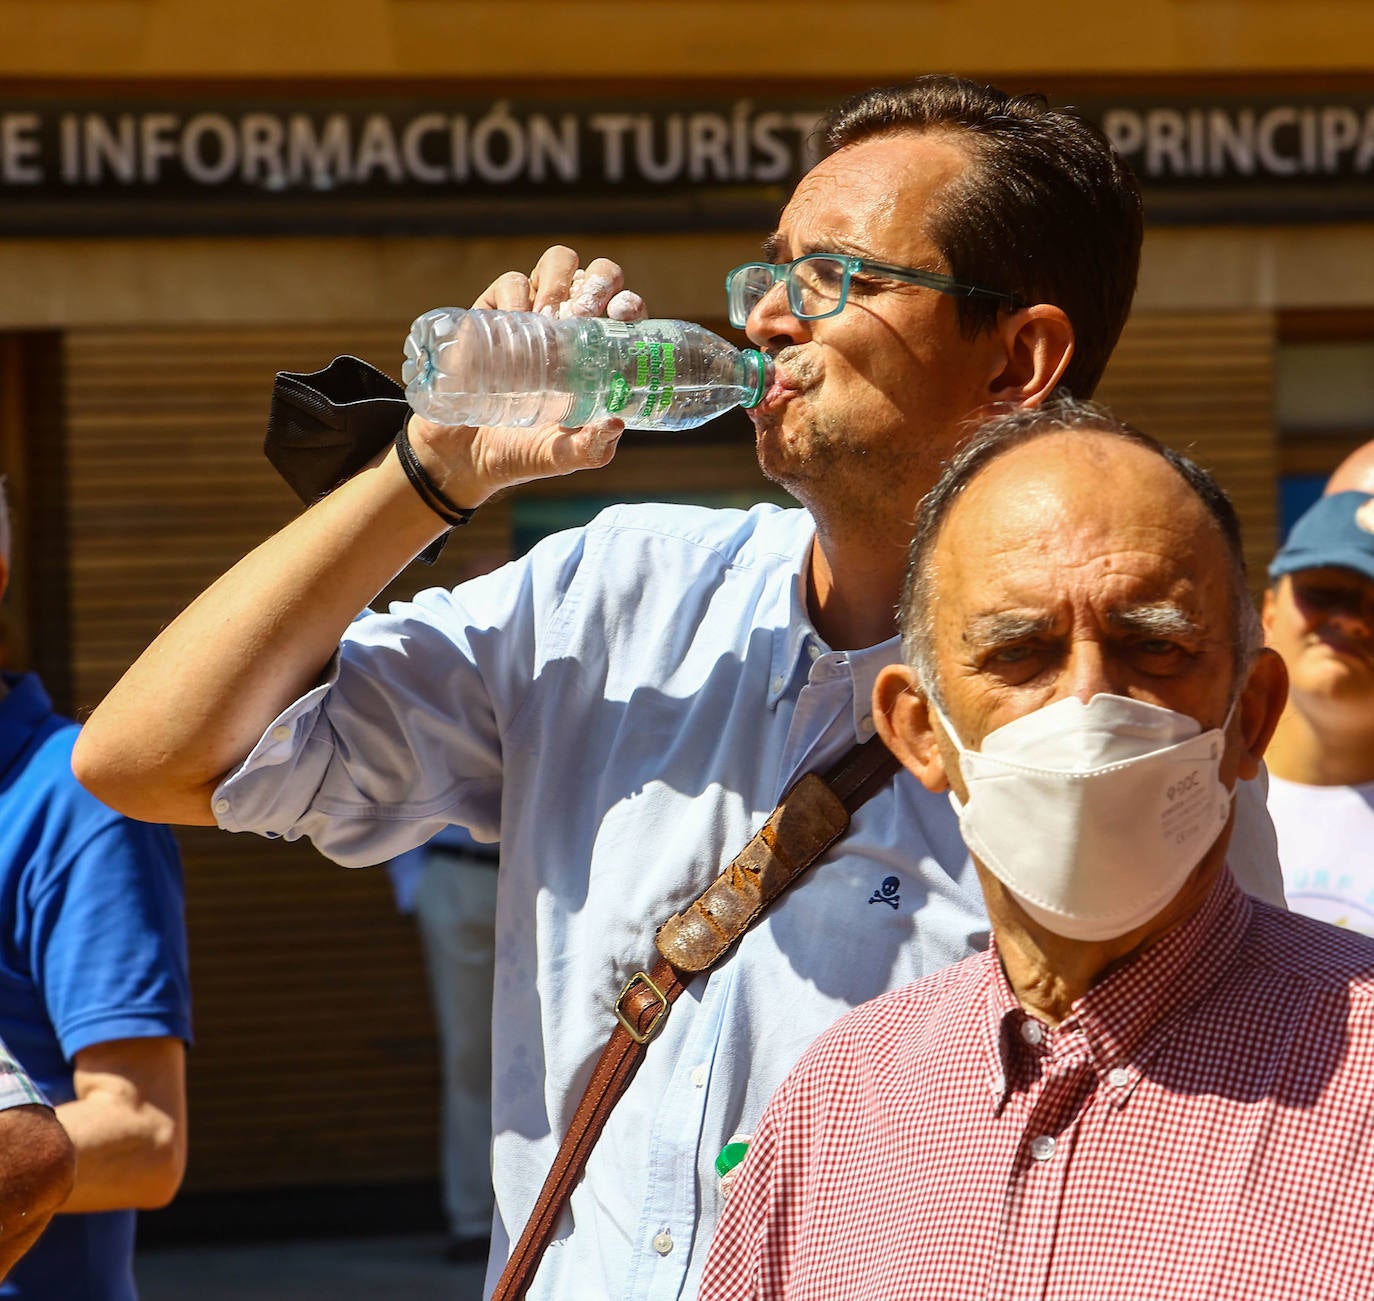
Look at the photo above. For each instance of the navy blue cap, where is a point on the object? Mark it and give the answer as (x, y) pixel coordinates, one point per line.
(1337, 530)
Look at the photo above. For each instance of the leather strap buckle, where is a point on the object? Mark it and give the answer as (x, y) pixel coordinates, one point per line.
(638, 1035)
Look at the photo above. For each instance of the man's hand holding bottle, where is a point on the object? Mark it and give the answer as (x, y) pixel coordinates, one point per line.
(468, 464)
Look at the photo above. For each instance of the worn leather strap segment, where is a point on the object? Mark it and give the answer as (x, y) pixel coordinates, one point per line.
(809, 819)
(611, 1076)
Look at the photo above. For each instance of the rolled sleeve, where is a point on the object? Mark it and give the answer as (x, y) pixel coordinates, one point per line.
(270, 791)
(403, 736)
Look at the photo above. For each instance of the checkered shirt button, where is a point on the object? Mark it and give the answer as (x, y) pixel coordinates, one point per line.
(1042, 1147)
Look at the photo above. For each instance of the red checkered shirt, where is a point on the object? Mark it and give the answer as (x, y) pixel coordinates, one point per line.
(1202, 1125)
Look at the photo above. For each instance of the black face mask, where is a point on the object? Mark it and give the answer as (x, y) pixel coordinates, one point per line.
(323, 427)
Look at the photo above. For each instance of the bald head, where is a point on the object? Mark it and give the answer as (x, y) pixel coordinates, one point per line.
(1030, 481)
(1355, 473)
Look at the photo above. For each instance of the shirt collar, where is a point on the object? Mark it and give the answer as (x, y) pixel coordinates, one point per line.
(23, 708)
(1127, 1017)
(797, 645)
(1001, 1018)
(794, 631)
(865, 665)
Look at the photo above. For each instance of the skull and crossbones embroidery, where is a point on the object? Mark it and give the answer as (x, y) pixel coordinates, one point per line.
(887, 893)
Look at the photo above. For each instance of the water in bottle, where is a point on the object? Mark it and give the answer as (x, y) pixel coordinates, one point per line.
(484, 367)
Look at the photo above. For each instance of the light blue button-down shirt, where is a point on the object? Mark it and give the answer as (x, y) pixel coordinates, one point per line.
(622, 709)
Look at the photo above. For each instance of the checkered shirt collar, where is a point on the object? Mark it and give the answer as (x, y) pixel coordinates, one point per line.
(1127, 1017)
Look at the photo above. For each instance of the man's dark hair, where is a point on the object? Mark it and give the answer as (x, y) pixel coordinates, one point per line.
(1047, 212)
(1015, 428)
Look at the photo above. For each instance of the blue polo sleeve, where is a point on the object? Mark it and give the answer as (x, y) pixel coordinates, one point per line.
(108, 932)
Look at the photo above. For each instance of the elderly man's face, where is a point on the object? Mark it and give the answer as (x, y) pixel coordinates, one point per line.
(1077, 565)
(1322, 622)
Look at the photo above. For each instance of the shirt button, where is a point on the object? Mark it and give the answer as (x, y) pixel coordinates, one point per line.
(999, 1084)
(663, 1243)
(281, 732)
(778, 684)
(866, 725)
(1032, 1032)
(1118, 1077)
(1042, 1148)
(813, 650)
(698, 1077)
(221, 806)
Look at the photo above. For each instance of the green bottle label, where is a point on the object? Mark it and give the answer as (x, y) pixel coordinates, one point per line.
(655, 376)
(668, 379)
(618, 395)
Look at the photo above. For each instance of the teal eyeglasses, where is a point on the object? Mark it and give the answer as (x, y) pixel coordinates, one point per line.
(818, 284)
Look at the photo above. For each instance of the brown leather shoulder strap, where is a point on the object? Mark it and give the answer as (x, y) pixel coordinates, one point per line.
(808, 820)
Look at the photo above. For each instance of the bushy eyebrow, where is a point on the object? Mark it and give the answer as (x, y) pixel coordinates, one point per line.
(770, 247)
(1005, 627)
(1160, 619)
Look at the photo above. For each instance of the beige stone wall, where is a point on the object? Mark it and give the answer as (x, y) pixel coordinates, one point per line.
(62, 282)
(676, 38)
(51, 283)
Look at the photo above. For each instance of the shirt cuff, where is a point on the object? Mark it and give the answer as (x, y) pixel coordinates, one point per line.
(287, 733)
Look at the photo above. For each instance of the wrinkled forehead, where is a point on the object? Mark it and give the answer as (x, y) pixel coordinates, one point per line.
(875, 197)
(1086, 520)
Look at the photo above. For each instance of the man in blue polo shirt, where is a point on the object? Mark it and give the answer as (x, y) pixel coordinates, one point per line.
(94, 994)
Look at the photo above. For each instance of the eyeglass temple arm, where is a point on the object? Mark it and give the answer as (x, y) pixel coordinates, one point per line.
(938, 280)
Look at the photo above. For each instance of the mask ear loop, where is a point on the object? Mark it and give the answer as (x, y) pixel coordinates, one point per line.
(1222, 730)
(947, 725)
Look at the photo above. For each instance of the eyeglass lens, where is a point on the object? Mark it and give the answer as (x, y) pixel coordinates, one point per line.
(816, 286)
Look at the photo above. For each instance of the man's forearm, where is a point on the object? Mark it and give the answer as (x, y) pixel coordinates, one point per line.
(36, 1171)
(127, 1123)
(126, 1155)
(197, 700)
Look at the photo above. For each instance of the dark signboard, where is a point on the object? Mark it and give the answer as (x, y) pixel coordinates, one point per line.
(493, 166)
(1270, 158)
(499, 165)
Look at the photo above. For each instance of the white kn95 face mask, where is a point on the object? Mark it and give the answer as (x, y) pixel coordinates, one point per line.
(1093, 815)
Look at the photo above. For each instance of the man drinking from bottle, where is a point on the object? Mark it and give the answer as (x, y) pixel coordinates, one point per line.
(624, 706)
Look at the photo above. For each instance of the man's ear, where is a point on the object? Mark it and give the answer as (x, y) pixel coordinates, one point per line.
(1037, 344)
(1261, 704)
(902, 718)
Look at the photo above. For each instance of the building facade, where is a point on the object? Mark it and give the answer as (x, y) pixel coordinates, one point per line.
(193, 197)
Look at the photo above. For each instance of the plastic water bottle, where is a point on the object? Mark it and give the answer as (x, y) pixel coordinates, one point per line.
(484, 367)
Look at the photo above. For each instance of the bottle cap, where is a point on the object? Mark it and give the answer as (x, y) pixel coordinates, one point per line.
(758, 369)
(730, 1156)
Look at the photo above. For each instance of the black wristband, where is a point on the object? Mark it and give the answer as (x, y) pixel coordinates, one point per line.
(453, 516)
